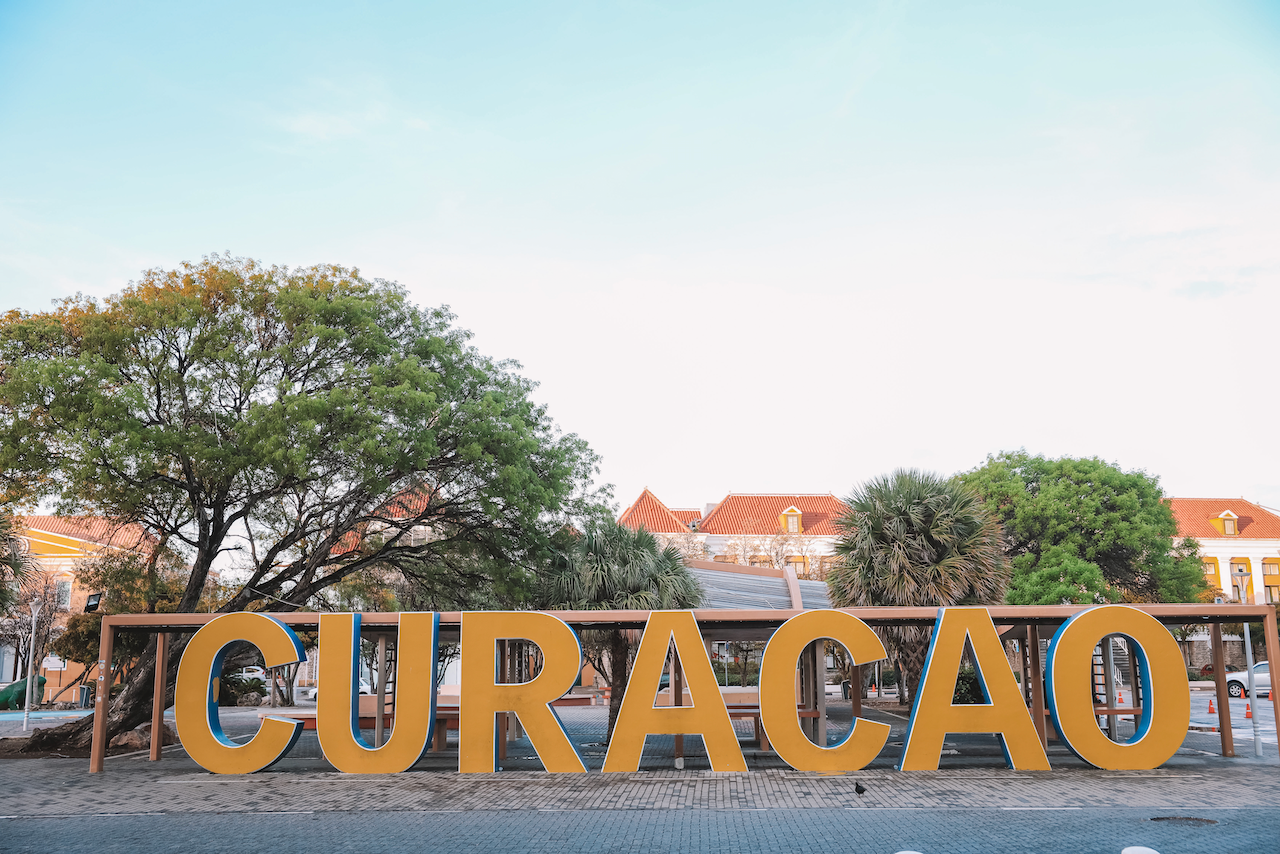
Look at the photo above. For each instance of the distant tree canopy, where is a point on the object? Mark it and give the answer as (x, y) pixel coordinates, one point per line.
(306, 421)
(299, 425)
(1082, 530)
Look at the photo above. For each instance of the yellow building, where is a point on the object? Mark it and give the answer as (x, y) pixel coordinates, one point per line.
(60, 544)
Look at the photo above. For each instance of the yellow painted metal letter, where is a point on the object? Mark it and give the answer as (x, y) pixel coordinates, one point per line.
(338, 703)
(483, 697)
(778, 711)
(1004, 713)
(1166, 700)
(639, 717)
(195, 707)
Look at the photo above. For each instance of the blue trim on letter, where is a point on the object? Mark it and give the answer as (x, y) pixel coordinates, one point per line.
(915, 706)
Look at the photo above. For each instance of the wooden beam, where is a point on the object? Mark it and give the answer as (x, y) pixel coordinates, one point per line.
(677, 699)
(158, 696)
(1037, 684)
(380, 715)
(764, 618)
(1220, 682)
(1273, 655)
(98, 750)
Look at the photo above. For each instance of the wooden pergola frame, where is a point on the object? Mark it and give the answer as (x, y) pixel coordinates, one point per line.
(717, 625)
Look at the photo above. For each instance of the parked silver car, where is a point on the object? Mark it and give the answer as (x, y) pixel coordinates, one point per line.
(1238, 683)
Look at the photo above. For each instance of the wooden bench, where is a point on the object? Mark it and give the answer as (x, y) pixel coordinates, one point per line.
(752, 713)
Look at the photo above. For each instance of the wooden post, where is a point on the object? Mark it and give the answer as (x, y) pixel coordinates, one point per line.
(158, 698)
(1037, 684)
(677, 699)
(1026, 671)
(501, 722)
(1220, 683)
(98, 751)
(1109, 679)
(820, 691)
(379, 722)
(1273, 655)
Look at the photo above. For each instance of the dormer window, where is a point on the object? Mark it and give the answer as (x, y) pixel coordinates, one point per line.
(790, 521)
(1230, 525)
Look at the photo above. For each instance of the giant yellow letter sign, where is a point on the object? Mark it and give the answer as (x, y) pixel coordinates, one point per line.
(338, 704)
(1004, 713)
(1166, 700)
(195, 707)
(639, 716)
(483, 697)
(778, 711)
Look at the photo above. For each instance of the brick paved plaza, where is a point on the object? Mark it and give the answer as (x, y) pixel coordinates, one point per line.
(974, 804)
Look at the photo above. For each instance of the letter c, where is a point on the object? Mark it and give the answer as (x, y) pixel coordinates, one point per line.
(195, 707)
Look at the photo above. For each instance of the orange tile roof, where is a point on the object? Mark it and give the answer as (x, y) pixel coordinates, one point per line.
(653, 515)
(409, 504)
(687, 516)
(757, 515)
(93, 529)
(1193, 515)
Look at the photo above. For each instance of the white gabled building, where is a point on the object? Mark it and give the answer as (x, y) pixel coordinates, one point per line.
(1234, 535)
(796, 532)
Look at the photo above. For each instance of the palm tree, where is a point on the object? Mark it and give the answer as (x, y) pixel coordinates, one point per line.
(916, 538)
(612, 567)
(16, 564)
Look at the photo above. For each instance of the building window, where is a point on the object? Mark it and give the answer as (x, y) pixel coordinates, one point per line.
(1229, 526)
(1273, 594)
(797, 566)
(64, 595)
(793, 523)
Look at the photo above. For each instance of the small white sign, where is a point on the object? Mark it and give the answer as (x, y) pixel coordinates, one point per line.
(52, 662)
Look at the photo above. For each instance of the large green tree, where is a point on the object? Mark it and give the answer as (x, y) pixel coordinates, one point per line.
(916, 538)
(612, 567)
(293, 425)
(1089, 512)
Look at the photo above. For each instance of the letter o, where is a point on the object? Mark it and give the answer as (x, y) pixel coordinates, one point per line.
(195, 707)
(1166, 699)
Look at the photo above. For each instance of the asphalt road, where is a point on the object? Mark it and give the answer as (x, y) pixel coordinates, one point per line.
(969, 831)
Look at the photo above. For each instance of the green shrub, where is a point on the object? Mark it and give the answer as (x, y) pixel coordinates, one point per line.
(968, 687)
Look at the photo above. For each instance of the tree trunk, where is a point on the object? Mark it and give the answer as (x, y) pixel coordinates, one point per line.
(619, 651)
(131, 707)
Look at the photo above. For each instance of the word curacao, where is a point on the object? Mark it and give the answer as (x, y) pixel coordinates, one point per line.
(1161, 723)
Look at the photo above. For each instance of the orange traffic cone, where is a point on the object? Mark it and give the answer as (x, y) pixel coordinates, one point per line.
(1119, 696)
(1211, 711)
(1248, 713)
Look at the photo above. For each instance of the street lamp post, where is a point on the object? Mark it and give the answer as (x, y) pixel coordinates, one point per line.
(1242, 577)
(31, 660)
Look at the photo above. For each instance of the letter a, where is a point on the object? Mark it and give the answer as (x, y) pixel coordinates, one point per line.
(639, 717)
(935, 715)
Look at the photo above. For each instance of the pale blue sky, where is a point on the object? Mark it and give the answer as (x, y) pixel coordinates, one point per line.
(749, 247)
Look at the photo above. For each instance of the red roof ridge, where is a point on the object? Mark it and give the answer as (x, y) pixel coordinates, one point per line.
(649, 512)
(101, 530)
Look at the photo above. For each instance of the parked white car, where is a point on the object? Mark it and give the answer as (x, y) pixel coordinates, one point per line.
(1238, 683)
(365, 688)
